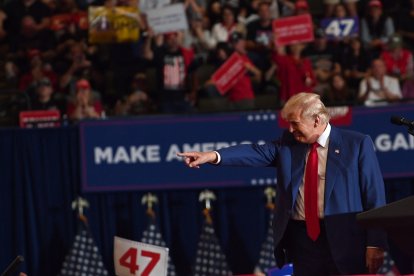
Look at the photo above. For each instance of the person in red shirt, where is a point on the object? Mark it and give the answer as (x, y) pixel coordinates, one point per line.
(294, 72)
(398, 60)
(38, 70)
(241, 95)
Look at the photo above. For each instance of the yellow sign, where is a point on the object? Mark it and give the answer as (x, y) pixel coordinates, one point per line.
(113, 25)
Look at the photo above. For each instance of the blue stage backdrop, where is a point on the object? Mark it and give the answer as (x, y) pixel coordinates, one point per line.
(141, 153)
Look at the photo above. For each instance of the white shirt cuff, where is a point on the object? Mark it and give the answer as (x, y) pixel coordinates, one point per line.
(218, 158)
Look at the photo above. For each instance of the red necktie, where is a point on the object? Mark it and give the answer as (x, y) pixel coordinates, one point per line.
(311, 193)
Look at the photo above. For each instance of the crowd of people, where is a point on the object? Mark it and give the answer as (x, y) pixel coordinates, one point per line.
(58, 67)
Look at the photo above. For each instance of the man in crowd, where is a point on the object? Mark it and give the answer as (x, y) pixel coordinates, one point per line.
(378, 88)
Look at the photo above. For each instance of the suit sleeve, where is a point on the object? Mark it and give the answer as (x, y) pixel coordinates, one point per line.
(372, 188)
(252, 155)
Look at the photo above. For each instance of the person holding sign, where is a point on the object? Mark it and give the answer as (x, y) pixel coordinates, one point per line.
(240, 94)
(176, 81)
(326, 176)
(294, 71)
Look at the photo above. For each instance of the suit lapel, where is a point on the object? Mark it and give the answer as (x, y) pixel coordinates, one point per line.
(332, 162)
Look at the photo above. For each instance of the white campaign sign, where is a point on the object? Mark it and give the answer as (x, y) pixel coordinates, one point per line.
(137, 258)
(166, 19)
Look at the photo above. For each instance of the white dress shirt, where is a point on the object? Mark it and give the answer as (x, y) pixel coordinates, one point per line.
(299, 211)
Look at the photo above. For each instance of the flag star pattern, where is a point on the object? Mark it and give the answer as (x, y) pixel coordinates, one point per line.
(153, 236)
(209, 259)
(388, 267)
(84, 257)
(267, 259)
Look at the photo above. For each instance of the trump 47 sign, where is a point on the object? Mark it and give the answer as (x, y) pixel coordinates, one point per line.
(141, 259)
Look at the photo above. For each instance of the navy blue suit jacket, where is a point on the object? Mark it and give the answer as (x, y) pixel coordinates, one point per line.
(353, 183)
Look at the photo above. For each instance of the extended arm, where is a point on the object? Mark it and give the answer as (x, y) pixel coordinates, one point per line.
(249, 155)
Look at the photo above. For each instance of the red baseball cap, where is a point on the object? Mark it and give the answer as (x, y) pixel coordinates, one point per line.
(375, 3)
(83, 84)
(301, 5)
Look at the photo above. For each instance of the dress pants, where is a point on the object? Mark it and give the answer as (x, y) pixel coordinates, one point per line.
(309, 258)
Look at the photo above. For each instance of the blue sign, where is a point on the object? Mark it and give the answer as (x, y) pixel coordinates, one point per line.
(141, 153)
(338, 28)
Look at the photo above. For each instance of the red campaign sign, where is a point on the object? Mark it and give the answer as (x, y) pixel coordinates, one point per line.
(293, 29)
(340, 116)
(229, 73)
(39, 119)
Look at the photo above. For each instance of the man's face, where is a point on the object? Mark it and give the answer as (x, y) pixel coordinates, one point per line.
(378, 68)
(303, 129)
(240, 46)
(171, 41)
(264, 12)
(375, 12)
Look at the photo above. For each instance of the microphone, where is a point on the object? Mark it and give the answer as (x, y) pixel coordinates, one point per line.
(397, 120)
(11, 269)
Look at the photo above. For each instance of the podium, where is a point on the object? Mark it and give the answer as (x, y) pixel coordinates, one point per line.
(397, 219)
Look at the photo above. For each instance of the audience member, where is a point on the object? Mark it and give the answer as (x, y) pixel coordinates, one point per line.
(84, 104)
(137, 101)
(195, 8)
(75, 65)
(241, 95)
(214, 12)
(378, 88)
(259, 31)
(228, 24)
(331, 6)
(177, 86)
(301, 7)
(355, 62)
(398, 60)
(376, 28)
(337, 92)
(198, 37)
(248, 12)
(38, 70)
(44, 97)
(260, 38)
(340, 11)
(321, 53)
(294, 71)
(69, 23)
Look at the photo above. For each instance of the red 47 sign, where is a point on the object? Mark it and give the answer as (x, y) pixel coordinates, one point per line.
(141, 259)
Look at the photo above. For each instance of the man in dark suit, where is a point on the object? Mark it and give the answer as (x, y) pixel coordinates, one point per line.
(325, 177)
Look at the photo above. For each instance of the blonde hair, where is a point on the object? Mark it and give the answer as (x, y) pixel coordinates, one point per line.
(309, 104)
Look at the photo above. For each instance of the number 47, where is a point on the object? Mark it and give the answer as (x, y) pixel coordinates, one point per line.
(339, 28)
(130, 258)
